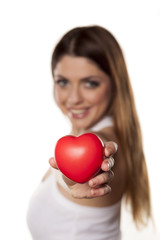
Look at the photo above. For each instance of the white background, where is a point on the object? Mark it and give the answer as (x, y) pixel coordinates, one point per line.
(30, 123)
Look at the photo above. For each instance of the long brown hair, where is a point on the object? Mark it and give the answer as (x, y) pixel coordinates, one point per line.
(100, 46)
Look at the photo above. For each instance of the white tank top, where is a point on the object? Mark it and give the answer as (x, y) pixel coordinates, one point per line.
(53, 217)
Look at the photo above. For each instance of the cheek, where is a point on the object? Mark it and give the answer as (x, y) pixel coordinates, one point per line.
(100, 96)
(59, 96)
(105, 94)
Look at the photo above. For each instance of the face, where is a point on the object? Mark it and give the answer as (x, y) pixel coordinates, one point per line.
(82, 91)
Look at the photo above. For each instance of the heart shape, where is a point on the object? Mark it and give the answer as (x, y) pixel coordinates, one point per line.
(79, 158)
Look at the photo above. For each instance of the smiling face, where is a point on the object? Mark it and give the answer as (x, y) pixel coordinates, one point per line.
(82, 91)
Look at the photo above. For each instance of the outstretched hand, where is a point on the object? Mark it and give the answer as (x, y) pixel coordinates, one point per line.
(98, 185)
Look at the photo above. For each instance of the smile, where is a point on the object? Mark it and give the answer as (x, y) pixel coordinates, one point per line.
(79, 113)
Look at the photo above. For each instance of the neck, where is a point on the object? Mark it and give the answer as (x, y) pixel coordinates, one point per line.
(106, 121)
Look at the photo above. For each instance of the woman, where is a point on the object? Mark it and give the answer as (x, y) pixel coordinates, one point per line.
(92, 88)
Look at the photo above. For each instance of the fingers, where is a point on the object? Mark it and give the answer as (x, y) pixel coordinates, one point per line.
(99, 184)
(91, 192)
(107, 164)
(100, 191)
(101, 179)
(110, 148)
(53, 163)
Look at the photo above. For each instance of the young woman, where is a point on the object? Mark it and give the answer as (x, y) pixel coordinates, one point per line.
(92, 88)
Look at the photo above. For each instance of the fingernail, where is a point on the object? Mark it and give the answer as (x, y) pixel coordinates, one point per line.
(109, 166)
(108, 150)
(108, 188)
(106, 167)
(115, 145)
(51, 161)
(111, 161)
(92, 182)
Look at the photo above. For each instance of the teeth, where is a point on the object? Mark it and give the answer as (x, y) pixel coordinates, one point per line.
(77, 111)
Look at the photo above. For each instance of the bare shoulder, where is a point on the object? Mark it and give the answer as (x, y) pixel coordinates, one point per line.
(106, 134)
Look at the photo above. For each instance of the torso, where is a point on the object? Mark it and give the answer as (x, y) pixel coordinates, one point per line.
(54, 214)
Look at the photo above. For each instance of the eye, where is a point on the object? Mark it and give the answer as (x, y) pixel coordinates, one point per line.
(92, 84)
(62, 82)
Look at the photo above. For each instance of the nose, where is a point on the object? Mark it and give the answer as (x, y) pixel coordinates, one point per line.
(75, 96)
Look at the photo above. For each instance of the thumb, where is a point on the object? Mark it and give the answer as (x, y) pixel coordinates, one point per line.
(53, 163)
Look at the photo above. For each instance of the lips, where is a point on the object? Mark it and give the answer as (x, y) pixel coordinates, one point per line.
(78, 113)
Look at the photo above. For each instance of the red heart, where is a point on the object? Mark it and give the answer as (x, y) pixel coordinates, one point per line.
(79, 158)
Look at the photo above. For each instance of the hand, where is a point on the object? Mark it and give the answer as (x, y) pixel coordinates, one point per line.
(98, 185)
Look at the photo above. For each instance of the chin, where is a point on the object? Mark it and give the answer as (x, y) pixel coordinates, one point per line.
(85, 123)
(83, 126)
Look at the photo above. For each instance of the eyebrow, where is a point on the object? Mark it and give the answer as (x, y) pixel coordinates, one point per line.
(90, 77)
(83, 79)
(58, 75)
